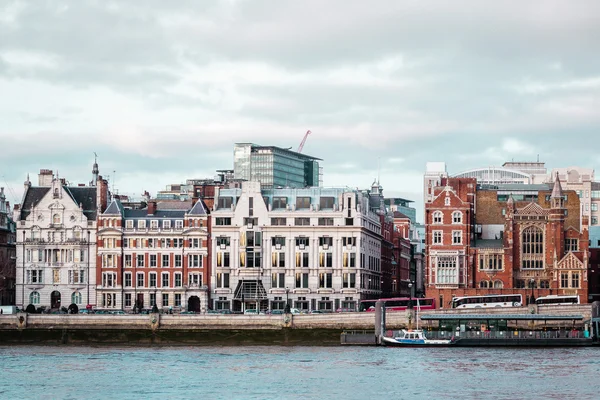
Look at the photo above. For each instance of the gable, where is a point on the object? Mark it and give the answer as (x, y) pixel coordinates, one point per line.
(440, 200)
(570, 261)
(532, 209)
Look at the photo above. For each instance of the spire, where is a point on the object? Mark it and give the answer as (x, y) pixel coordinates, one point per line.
(95, 170)
(557, 190)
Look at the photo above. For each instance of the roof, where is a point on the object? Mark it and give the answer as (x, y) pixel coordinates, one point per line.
(128, 214)
(489, 243)
(198, 209)
(557, 192)
(495, 317)
(514, 187)
(398, 214)
(173, 204)
(114, 208)
(81, 195)
(33, 195)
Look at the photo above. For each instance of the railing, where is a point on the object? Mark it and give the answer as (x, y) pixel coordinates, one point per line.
(508, 335)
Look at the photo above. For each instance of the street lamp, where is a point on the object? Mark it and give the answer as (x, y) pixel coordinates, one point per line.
(287, 300)
(531, 283)
(410, 284)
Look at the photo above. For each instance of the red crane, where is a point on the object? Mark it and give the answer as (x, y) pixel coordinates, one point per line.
(303, 141)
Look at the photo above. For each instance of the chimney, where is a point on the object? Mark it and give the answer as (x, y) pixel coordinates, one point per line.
(151, 207)
(45, 177)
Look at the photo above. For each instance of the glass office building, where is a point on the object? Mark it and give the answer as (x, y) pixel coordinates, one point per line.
(275, 167)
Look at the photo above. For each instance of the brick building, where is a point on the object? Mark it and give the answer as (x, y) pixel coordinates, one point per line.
(482, 241)
(153, 256)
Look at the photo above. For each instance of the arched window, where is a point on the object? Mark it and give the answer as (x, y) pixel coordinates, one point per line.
(34, 298)
(483, 284)
(457, 217)
(498, 284)
(438, 217)
(76, 298)
(447, 201)
(56, 219)
(532, 248)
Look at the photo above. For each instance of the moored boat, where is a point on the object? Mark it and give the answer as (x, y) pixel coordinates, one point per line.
(413, 337)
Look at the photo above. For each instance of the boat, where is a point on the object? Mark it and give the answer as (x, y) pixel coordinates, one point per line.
(413, 337)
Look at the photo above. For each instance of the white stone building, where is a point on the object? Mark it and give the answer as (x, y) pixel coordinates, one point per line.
(315, 248)
(56, 236)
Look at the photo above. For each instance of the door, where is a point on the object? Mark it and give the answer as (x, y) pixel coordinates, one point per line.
(55, 299)
(140, 300)
(194, 304)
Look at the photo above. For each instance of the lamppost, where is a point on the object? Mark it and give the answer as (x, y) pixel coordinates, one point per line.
(410, 285)
(287, 300)
(531, 283)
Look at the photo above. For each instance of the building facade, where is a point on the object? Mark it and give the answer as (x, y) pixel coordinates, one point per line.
(479, 242)
(7, 253)
(312, 248)
(56, 242)
(153, 257)
(275, 167)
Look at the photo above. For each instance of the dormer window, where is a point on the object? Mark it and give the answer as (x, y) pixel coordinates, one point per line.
(178, 224)
(167, 224)
(142, 224)
(438, 217)
(457, 217)
(129, 224)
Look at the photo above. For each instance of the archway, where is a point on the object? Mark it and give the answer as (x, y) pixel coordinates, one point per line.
(55, 299)
(194, 304)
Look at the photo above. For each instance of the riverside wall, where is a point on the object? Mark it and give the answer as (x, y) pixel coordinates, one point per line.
(225, 329)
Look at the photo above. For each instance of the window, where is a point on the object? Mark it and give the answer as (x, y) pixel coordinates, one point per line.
(279, 203)
(34, 298)
(571, 244)
(438, 217)
(178, 279)
(325, 242)
(35, 276)
(301, 242)
(483, 284)
(109, 279)
(152, 279)
(179, 224)
(76, 298)
(222, 241)
(225, 202)
(165, 280)
(302, 280)
(437, 237)
(278, 221)
(221, 221)
(446, 270)
(278, 242)
(166, 224)
(177, 260)
(140, 260)
(129, 224)
(153, 260)
(127, 260)
(223, 280)
(152, 299)
(325, 260)
(278, 280)
(165, 260)
(349, 260)
(325, 221)
(301, 259)
(349, 280)
(447, 201)
(142, 224)
(302, 221)
(564, 279)
(491, 262)
(194, 260)
(456, 237)
(575, 280)
(154, 224)
(532, 248)
(140, 279)
(278, 259)
(177, 299)
(77, 276)
(195, 280)
(302, 203)
(594, 206)
(457, 217)
(127, 299)
(223, 259)
(325, 280)
(349, 241)
(128, 279)
(165, 300)
(326, 203)
(594, 220)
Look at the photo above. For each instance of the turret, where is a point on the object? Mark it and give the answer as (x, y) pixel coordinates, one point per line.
(557, 200)
(95, 171)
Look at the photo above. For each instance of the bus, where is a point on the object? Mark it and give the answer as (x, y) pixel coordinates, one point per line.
(487, 301)
(399, 304)
(557, 300)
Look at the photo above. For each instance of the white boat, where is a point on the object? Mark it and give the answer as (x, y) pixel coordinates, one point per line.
(414, 337)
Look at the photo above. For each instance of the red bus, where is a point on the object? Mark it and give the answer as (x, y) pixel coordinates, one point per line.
(398, 304)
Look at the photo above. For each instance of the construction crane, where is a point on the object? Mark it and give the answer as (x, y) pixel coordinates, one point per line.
(303, 141)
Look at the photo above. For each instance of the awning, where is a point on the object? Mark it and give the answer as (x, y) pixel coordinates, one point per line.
(250, 290)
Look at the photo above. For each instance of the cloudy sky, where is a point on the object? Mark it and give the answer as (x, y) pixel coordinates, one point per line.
(162, 91)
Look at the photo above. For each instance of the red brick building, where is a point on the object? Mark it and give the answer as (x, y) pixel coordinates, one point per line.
(539, 249)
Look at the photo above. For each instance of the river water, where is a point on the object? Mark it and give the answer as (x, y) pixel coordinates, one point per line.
(273, 372)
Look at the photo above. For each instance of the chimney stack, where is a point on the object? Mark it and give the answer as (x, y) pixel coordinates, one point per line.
(151, 207)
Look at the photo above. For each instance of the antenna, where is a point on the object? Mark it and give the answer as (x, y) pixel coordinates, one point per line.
(114, 179)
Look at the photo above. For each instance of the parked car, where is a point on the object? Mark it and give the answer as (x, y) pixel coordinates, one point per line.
(294, 311)
(251, 312)
(317, 312)
(277, 312)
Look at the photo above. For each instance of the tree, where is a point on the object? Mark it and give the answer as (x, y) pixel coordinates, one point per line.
(30, 309)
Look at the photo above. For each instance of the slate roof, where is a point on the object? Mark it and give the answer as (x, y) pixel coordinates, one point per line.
(114, 208)
(81, 195)
(198, 209)
(143, 214)
(398, 214)
(557, 192)
(33, 195)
